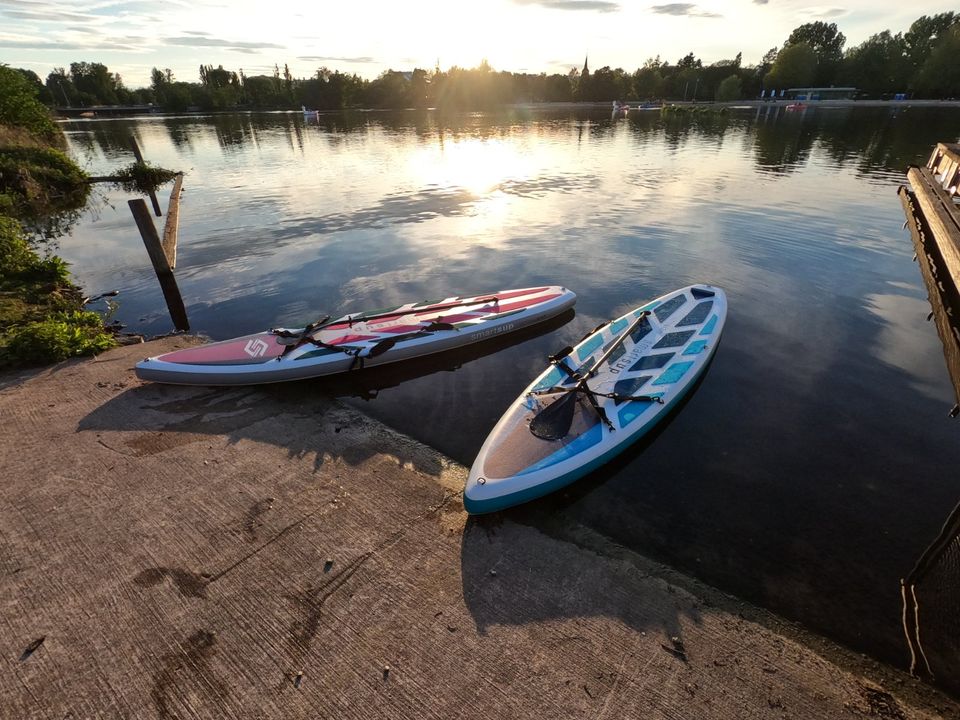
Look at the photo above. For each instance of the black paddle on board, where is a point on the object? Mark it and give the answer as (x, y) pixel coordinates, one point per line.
(555, 420)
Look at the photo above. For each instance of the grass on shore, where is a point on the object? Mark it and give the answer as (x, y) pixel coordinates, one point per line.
(41, 312)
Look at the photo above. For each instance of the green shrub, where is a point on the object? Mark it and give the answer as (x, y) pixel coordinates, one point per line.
(58, 337)
(20, 107)
(38, 180)
(142, 177)
(15, 254)
(22, 266)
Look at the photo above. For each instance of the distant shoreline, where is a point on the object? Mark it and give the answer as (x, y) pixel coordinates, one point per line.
(101, 113)
(752, 103)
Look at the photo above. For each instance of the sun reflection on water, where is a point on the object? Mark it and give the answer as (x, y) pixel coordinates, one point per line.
(477, 165)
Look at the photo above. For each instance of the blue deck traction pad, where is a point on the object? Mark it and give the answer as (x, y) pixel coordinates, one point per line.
(709, 327)
(635, 409)
(652, 362)
(696, 347)
(673, 373)
(697, 315)
(669, 307)
(674, 339)
(587, 349)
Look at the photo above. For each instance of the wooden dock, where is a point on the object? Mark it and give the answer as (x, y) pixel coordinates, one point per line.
(930, 205)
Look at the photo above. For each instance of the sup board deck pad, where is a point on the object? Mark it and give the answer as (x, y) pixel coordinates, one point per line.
(358, 339)
(670, 345)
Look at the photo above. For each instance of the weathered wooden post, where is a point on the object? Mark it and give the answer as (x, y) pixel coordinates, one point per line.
(139, 156)
(172, 225)
(168, 284)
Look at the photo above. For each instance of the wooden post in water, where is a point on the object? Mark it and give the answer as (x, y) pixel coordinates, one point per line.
(137, 154)
(172, 225)
(171, 293)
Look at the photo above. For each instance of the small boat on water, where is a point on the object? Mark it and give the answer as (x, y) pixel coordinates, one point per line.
(796, 106)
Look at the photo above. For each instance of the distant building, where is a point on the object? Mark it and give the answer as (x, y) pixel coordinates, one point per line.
(822, 93)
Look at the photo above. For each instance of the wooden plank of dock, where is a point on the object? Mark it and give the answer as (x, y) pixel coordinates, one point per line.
(941, 290)
(937, 208)
(934, 221)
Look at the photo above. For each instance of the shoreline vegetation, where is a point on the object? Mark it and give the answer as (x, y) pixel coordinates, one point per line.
(43, 315)
(916, 64)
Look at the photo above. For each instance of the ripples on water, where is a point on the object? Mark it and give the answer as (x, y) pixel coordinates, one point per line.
(813, 464)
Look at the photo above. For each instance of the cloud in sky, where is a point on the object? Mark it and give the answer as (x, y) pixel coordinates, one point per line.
(47, 44)
(326, 58)
(195, 41)
(591, 5)
(824, 12)
(683, 9)
(43, 15)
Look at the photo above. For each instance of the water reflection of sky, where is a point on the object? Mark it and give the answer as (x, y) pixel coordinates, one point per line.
(802, 473)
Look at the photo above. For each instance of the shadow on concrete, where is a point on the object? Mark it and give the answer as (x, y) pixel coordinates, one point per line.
(168, 416)
(555, 589)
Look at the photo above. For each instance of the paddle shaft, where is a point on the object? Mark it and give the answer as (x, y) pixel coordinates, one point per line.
(554, 421)
(619, 341)
(399, 313)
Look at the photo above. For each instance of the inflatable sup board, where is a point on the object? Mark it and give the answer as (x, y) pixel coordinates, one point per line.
(357, 340)
(597, 398)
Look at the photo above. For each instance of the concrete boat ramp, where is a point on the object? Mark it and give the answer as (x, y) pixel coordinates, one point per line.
(171, 552)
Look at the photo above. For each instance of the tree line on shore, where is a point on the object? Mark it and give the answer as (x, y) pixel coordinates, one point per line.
(918, 62)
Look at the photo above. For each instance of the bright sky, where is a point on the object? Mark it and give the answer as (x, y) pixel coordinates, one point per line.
(369, 36)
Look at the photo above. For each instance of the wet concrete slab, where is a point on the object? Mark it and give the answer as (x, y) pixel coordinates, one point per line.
(174, 552)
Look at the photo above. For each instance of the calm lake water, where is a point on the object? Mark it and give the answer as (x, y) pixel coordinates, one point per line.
(815, 461)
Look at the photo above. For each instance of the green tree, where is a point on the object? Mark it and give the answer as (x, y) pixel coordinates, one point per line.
(689, 61)
(648, 83)
(419, 88)
(730, 89)
(940, 74)
(95, 83)
(20, 106)
(220, 88)
(827, 43)
(160, 82)
(609, 84)
(60, 86)
(390, 90)
(557, 88)
(877, 66)
(923, 35)
(796, 66)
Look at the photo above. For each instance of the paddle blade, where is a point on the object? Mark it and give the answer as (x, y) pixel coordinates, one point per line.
(554, 421)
